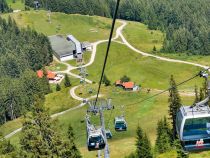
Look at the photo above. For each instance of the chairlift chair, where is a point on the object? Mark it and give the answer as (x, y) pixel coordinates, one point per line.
(120, 124)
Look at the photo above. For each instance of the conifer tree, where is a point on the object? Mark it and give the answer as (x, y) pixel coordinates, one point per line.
(196, 94)
(201, 94)
(163, 141)
(179, 150)
(154, 49)
(205, 87)
(58, 87)
(6, 148)
(74, 151)
(143, 145)
(106, 81)
(39, 137)
(67, 82)
(174, 104)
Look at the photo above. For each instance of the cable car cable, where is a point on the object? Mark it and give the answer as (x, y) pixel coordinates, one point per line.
(108, 48)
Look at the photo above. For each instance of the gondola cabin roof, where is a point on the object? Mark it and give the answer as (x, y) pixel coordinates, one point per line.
(119, 119)
(196, 111)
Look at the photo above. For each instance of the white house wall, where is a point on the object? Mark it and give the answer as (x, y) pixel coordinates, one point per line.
(67, 58)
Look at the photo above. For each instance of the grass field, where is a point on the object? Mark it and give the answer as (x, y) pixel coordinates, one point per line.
(55, 66)
(91, 28)
(147, 71)
(86, 59)
(142, 38)
(18, 5)
(145, 114)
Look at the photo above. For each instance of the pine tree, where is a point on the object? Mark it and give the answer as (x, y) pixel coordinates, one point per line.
(154, 49)
(106, 81)
(125, 78)
(201, 94)
(39, 137)
(196, 95)
(179, 150)
(163, 141)
(143, 145)
(58, 87)
(67, 82)
(174, 104)
(205, 87)
(6, 148)
(74, 151)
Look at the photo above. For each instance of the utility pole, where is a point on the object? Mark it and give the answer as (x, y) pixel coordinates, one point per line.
(106, 150)
(49, 16)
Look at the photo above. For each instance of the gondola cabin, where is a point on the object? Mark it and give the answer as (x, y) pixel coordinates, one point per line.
(120, 124)
(96, 140)
(95, 137)
(108, 134)
(193, 127)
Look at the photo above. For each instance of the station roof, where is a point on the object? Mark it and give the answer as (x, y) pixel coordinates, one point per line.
(195, 111)
(61, 46)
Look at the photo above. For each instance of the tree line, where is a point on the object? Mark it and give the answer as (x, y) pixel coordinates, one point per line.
(185, 22)
(87, 7)
(22, 53)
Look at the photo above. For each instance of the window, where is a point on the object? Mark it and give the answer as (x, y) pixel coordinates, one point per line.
(196, 128)
(179, 120)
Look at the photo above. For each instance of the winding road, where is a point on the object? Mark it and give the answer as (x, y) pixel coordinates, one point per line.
(119, 34)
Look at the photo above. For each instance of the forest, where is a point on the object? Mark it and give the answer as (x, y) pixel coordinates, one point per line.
(4, 7)
(185, 22)
(22, 52)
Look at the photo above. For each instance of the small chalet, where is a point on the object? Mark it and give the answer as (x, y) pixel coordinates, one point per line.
(118, 83)
(130, 86)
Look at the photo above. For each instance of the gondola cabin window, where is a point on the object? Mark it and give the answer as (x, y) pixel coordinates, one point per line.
(196, 128)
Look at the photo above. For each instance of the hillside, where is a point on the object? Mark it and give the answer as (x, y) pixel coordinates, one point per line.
(146, 71)
(91, 28)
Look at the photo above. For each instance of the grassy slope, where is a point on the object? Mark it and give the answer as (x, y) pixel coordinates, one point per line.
(86, 59)
(136, 114)
(55, 66)
(146, 71)
(18, 5)
(91, 28)
(137, 34)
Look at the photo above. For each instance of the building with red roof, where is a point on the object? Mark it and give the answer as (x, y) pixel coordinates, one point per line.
(118, 83)
(128, 85)
(50, 75)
